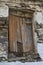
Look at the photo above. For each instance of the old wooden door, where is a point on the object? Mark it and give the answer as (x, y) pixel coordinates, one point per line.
(20, 34)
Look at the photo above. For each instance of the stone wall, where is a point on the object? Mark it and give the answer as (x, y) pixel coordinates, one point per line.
(3, 32)
(38, 25)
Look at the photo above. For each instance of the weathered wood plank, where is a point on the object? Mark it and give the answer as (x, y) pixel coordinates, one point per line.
(18, 29)
(12, 33)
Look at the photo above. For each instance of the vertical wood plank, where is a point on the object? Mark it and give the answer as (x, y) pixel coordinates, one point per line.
(18, 29)
(23, 33)
(12, 33)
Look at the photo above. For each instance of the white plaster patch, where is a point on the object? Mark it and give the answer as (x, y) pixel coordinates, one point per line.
(38, 17)
(40, 49)
(4, 11)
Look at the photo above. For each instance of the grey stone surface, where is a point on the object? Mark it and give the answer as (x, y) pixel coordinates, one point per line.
(3, 41)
